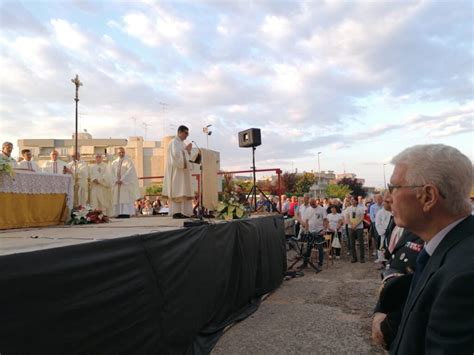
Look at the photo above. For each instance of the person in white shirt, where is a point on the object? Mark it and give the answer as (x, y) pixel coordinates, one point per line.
(354, 217)
(335, 223)
(54, 166)
(313, 224)
(82, 178)
(125, 190)
(313, 217)
(300, 214)
(7, 149)
(27, 163)
(100, 186)
(382, 219)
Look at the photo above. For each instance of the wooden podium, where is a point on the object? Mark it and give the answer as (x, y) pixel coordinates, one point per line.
(207, 161)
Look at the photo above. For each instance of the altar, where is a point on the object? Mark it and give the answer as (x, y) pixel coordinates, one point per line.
(34, 200)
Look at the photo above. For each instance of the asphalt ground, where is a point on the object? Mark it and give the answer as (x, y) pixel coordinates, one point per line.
(320, 313)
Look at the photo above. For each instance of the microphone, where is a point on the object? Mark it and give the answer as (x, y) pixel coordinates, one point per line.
(196, 145)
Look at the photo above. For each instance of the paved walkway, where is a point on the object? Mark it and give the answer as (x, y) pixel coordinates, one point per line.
(325, 313)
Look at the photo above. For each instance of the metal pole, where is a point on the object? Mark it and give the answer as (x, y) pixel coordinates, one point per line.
(384, 179)
(254, 180)
(319, 177)
(77, 83)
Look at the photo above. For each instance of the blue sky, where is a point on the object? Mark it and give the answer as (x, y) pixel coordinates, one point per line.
(358, 81)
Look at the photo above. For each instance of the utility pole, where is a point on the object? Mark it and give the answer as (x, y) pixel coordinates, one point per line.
(319, 176)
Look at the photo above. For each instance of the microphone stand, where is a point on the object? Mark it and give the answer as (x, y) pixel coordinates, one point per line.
(200, 210)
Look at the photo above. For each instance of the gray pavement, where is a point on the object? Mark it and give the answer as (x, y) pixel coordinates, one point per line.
(325, 313)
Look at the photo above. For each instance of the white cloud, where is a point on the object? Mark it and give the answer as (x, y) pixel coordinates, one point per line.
(157, 28)
(68, 34)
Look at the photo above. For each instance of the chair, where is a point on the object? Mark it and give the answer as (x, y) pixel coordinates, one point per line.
(327, 248)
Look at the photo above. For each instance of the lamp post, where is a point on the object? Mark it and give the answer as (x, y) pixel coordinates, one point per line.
(319, 176)
(207, 132)
(77, 83)
(384, 179)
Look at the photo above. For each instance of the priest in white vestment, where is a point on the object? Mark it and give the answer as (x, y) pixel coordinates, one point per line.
(54, 166)
(6, 154)
(100, 186)
(27, 163)
(125, 186)
(177, 185)
(82, 178)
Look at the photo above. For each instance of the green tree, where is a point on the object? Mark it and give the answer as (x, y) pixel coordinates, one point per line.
(155, 189)
(304, 182)
(339, 191)
(356, 186)
(288, 181)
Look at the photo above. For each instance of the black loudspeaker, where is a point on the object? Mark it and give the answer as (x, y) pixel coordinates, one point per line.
(250, 138)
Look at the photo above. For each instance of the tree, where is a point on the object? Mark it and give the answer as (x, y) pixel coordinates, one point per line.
(339, 191)
(288, 181)
(304, 182)
(354, 185)
(154, 189)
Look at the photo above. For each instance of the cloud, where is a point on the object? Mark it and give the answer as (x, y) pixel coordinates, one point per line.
(68, 34)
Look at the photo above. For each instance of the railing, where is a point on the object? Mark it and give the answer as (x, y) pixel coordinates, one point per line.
(198, 177)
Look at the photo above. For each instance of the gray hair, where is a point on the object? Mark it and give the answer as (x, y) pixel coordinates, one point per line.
(6, 143)
(443, 166)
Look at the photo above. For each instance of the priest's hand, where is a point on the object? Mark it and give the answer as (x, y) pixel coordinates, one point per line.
(189, 147)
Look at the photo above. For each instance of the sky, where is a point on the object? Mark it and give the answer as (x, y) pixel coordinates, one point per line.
(358, 81)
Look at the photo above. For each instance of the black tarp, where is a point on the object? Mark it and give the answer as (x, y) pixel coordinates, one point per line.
(162, 293)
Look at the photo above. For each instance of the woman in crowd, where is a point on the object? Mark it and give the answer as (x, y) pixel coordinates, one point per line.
(336, 222)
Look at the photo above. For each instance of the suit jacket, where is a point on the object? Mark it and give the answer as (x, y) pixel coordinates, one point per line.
(438, 317)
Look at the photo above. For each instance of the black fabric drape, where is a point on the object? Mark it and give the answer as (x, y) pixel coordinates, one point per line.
(162, 293)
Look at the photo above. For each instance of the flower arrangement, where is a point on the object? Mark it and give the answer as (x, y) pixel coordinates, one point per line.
(231, 209)
(6, 166)
(87, 215)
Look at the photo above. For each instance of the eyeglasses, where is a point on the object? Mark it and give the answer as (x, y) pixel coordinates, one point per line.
(393, 187)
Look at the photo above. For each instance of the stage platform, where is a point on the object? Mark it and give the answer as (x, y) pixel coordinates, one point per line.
(30, 239)
(143, 285)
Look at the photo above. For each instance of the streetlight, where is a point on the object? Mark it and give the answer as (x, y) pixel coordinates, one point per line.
(384, 179)
(319, 176)
(207, 132)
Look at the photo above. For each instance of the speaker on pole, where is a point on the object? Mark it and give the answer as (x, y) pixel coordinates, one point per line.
(250, 138)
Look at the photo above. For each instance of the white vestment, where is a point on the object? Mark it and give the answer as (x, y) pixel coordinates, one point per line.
(53, 167)
(30, 165)
(124, 194)
(82, 182)
(177, 185)
(101, 194)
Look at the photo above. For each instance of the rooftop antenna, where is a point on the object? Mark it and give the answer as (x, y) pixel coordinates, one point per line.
(146, 125)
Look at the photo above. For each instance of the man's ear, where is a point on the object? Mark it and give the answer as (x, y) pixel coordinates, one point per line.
(429, 197)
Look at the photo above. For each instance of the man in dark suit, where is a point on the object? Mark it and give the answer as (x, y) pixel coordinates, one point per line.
(430, 187)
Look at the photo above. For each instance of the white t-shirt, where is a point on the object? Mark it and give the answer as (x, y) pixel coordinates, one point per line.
(353, 213)
(334, 220)
(314, 216)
